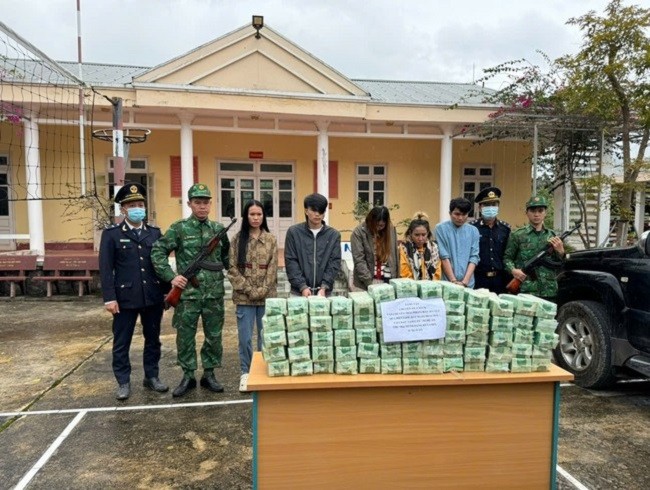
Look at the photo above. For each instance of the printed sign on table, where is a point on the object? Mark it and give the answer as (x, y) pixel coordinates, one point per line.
(411, 319)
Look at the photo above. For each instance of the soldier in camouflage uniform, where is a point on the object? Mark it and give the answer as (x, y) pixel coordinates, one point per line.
(523, 245)
(185, 238)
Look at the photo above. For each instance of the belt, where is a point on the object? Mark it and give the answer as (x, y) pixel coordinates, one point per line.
(489, 274)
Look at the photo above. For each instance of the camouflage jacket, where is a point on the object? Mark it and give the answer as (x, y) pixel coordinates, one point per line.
(186, 237)
(523, 245)
(259, 277)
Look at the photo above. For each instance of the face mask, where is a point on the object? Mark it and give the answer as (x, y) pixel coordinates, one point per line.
(136, 215)
(490, 211)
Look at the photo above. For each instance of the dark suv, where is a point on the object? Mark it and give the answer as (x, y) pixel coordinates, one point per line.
(604, 314)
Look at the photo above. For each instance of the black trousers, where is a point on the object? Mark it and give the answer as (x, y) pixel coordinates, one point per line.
(496, 284)
(123, 327)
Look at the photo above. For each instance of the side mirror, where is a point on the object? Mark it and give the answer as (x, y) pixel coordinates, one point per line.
(644, 242)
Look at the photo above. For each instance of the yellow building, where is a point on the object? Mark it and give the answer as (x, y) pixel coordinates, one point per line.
(251, 116)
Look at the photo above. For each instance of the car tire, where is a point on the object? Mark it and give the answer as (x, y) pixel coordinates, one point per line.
(584, 348)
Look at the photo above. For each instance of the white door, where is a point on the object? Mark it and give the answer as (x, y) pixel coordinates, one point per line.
(6, 220)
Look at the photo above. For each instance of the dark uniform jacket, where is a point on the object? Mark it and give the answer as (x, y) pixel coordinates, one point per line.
(492, 245)
(125, 267)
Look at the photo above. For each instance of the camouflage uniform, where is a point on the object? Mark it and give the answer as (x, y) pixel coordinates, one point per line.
(523, 245)
(185, 238)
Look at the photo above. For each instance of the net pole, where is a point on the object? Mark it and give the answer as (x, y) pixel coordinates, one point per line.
(82, 141)
(118, 149)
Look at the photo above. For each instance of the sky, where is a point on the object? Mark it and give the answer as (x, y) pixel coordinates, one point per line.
(423, 40)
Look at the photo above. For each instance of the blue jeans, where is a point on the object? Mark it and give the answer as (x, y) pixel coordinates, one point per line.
(247, 317)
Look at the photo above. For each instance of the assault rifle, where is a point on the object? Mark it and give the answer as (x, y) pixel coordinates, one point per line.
(539, 258)
(174, 296)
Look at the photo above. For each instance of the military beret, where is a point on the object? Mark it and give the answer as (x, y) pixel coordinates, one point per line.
(129, 192)
(489, 194)
(537, 202)
(199, 190)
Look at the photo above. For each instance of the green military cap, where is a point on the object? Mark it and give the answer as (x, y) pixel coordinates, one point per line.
(199, 190)
(537, 202)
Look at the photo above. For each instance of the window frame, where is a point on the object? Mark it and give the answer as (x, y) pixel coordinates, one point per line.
(371, 178)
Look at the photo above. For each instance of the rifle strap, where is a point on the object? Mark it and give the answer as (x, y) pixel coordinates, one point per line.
(211, 266)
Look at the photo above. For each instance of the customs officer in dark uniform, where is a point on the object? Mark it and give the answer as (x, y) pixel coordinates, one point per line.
(131, 288)
(490, 272)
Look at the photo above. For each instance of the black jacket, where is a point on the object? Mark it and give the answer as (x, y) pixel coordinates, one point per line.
(125, 267)
(312, 261)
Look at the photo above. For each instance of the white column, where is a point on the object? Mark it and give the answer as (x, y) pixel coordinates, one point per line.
(322, 162)
(639, 211)
(33, 174)
(187, 160)
(445, 172)
(604, 200)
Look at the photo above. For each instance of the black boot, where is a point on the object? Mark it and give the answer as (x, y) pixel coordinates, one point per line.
(155, 384)
(123, 391)
(185, 385)
(210, 382)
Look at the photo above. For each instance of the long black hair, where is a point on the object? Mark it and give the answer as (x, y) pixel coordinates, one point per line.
(244, 232)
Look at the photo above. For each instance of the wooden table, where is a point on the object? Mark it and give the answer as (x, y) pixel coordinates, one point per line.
(462, 430)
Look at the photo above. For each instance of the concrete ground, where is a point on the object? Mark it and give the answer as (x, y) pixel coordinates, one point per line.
(55, 359)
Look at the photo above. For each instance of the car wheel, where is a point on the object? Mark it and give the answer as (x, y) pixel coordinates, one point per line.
(584, 346)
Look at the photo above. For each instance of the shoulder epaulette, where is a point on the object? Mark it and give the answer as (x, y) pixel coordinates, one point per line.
(505, 224)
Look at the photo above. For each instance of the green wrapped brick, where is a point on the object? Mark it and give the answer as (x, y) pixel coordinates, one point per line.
(522, 350)
(362, 304)
(391, 365)
(412, 365)
(429, 289)
(299, 354)
(320, 323)
(366, 335)
(453, 350)
(453, 307)
(390, 351)
(526, 305)
(412, 349)
(370, 366)
(546, 325)
(500, 307)
(522, 321)
(546, 340)
(322, 339)
(278, 368)
(404, 288)
(500, 339)
(299, 338)
(345, 338)
(340, 305)
(318, 306)
(324, 367)
(452, 292)
(297, 305)
(474, 366)
(455, 322)
(274, 339)
(474, 354)
(492, 366)
(381, 292)
(368, 350)
(363, 322)
(501, 324)
(299, 321)
(522, 336)
(302, 368)
(346, 367)
(542, 352)
(273, 323)
(499, 354)
(274, 354)
(477, 315)
(521, 365)
(275, 306)
(545, 309)
(455, 336)
(342, 322)
(432, 348)
(320, 354)
(345, 353)
(433, 365)
(379, 324)
(477, 327)
(538, 365)
(477, 298)
(476, 339)
(452, 364)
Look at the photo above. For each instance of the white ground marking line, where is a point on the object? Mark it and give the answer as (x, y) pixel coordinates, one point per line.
(571, 479)
(565, 385)
(125, 409)
(50, 451)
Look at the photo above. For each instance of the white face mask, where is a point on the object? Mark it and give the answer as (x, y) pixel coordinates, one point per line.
(490, 211)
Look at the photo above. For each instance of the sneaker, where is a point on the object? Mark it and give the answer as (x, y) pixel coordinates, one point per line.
(243, 383)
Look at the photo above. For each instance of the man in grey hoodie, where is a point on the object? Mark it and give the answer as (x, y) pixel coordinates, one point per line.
(312, 251)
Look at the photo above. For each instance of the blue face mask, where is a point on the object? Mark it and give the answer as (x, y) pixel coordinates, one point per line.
(136, 215)
(490, 211)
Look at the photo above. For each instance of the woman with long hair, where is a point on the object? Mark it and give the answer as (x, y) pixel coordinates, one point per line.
(374, 249)
(418, 253)
(253, 274)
